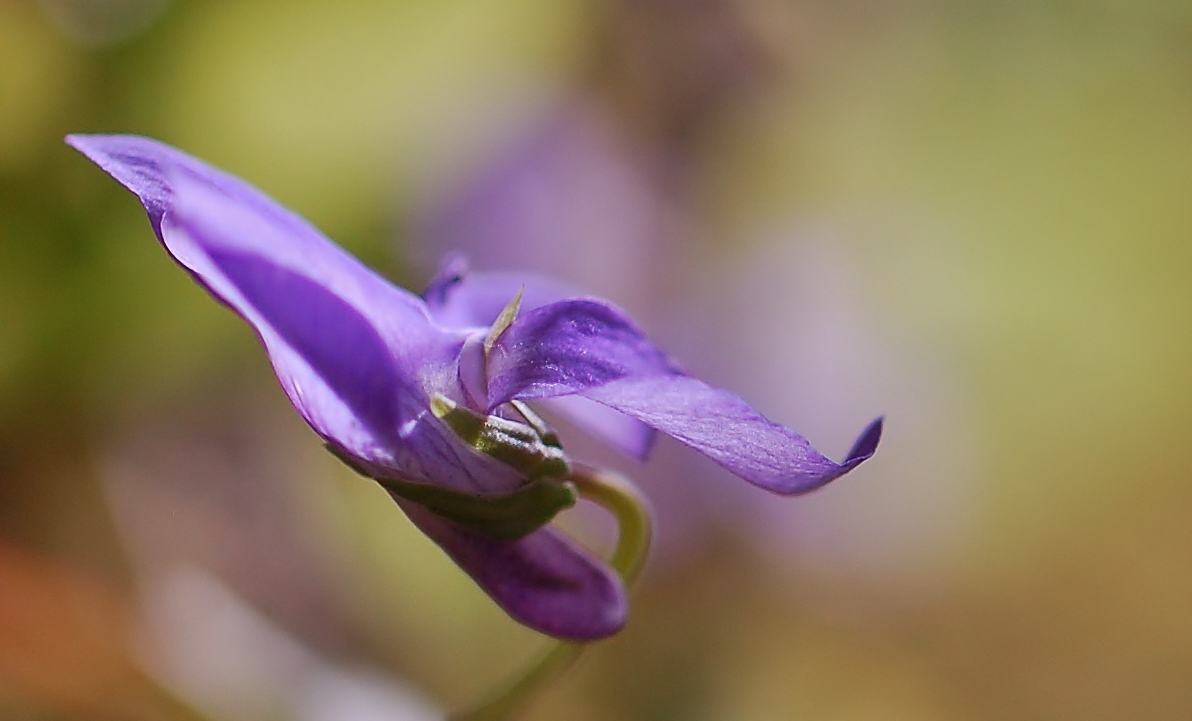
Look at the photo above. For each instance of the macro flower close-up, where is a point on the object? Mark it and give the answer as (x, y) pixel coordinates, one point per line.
(426, 395)
(617, 360)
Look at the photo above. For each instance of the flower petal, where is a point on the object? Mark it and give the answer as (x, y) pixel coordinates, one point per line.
(352, 351)
(568, 347)
(724, 427)
(542, 580)
(460, 299)
(591, 349)
(143, 165)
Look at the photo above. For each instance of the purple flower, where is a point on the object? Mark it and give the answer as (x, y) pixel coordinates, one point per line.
(425, 395)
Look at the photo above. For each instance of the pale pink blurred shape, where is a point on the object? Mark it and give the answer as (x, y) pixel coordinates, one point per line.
(810, 346)
(218, 484)
(569, 198)
(242, 608)
(229, 660)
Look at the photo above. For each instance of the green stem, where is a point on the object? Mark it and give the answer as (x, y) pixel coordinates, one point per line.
(558, 658)
(621, 498)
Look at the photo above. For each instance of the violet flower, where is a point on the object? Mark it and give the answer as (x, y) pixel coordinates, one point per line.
(424, 395)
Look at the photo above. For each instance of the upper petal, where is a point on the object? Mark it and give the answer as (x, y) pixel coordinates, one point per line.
(143, 165)
(354, 353)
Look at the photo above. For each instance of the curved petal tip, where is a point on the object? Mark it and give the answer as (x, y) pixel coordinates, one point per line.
(866, 443)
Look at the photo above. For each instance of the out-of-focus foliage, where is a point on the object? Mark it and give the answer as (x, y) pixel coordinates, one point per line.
(970, 216)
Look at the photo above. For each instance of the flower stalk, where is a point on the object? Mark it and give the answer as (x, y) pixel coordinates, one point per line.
(620, 497)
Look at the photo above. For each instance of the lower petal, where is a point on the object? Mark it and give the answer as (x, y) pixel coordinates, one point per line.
(543, 580)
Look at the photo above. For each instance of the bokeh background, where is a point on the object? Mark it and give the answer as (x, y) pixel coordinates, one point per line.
(972, 217)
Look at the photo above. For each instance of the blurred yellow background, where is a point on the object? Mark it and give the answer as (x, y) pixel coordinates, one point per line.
(975, 218)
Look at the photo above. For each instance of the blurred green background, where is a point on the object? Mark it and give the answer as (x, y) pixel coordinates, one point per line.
(973, 217)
